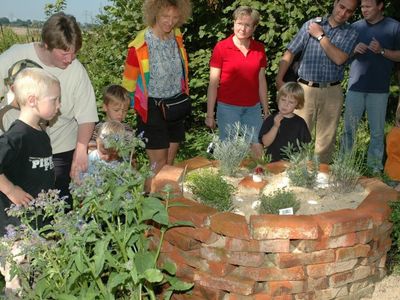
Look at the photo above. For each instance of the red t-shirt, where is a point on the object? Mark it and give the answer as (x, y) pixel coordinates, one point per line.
(239, 74)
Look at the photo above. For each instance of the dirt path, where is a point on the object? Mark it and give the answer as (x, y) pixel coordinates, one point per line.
(387, 289)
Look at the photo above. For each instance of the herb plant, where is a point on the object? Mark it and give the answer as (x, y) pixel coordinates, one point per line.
(304, 165)
(211, 189)
(234, 149)
(281, 198)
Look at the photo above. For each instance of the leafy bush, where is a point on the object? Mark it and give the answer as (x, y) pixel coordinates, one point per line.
(304, 165)
(281, 198)
(102, 249)
(395, 251)
(211, 189)
(234, 149)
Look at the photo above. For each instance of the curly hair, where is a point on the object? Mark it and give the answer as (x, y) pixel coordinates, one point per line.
(151, 9)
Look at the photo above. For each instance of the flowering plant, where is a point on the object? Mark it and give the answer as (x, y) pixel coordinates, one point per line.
(100, 250)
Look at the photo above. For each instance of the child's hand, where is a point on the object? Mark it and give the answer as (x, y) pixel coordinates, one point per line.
(277, 120)
(18, 196)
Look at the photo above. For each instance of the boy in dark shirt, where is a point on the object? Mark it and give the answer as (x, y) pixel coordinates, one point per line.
(26, 164)
(284, 127)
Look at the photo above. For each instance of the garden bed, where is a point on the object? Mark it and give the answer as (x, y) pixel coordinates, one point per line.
(331, 255)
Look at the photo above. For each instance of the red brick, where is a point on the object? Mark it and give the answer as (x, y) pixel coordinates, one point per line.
(247, 183)
(201, 234)
(182, 241)
(270, 246)
(229, 283)
(230, 225)
(218, 268)
(340, 279)
(266, 227)
(271, 273)
(346, 240)
(277, 167)
(375, 205)
(322, 270)
(352, 252)
(343, 221)
(365, 236)
(278, 288)
(168, 176)
(186, 212)
(235, 258)
(305, 296)
(194, 163)
(286, 260)
(321, 283)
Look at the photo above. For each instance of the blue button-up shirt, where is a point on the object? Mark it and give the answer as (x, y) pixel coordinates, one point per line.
(315, 65)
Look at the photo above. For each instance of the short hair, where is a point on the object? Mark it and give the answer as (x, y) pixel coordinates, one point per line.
(151, 9)
(247, 11)
(295, 90)
(109, 129)
(33, 82)
(115, 93)
(62, 31)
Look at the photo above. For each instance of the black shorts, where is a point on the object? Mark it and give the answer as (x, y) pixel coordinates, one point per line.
(157, 132)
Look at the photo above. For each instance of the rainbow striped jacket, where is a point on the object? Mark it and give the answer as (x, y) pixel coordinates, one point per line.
(137, 74)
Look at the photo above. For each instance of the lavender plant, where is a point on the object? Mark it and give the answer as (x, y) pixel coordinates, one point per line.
(100, 250)
(234, 149)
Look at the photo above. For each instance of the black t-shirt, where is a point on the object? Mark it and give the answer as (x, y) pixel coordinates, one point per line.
(290, 130)
(26, 160)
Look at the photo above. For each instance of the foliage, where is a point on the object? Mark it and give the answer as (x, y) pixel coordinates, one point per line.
(231, 151)
(395, 219)
(211, 189)
(58, 6)
(8, 37)
(281, 198)
(304, 165)
(102, 249)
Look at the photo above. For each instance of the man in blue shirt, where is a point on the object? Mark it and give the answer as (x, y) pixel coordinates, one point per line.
(326, 44)
(377, 49)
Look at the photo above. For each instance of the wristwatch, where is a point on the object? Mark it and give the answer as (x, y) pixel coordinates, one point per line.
(383, 51)
(320, 37)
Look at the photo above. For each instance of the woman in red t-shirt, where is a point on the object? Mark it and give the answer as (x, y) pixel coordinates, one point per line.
(237, 79)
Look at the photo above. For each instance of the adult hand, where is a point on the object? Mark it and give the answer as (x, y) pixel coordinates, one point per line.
(210, 122)
(279, 83)
(361, 48)
(375, 46)
(315, 30)
(18, 196)
(79, 162)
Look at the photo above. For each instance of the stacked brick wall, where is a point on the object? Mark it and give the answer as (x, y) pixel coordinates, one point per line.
(333, 255)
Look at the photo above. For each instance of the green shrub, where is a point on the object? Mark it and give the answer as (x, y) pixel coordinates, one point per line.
(281, 198)
(395, 251)
(304, 165)
(211, 189)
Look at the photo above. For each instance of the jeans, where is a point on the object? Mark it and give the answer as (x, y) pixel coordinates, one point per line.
(250, 116)
(375, 106)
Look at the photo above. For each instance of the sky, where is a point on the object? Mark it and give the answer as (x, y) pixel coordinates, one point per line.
(83, 10)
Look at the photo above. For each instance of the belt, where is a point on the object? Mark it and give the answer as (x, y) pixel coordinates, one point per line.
(318, 84)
